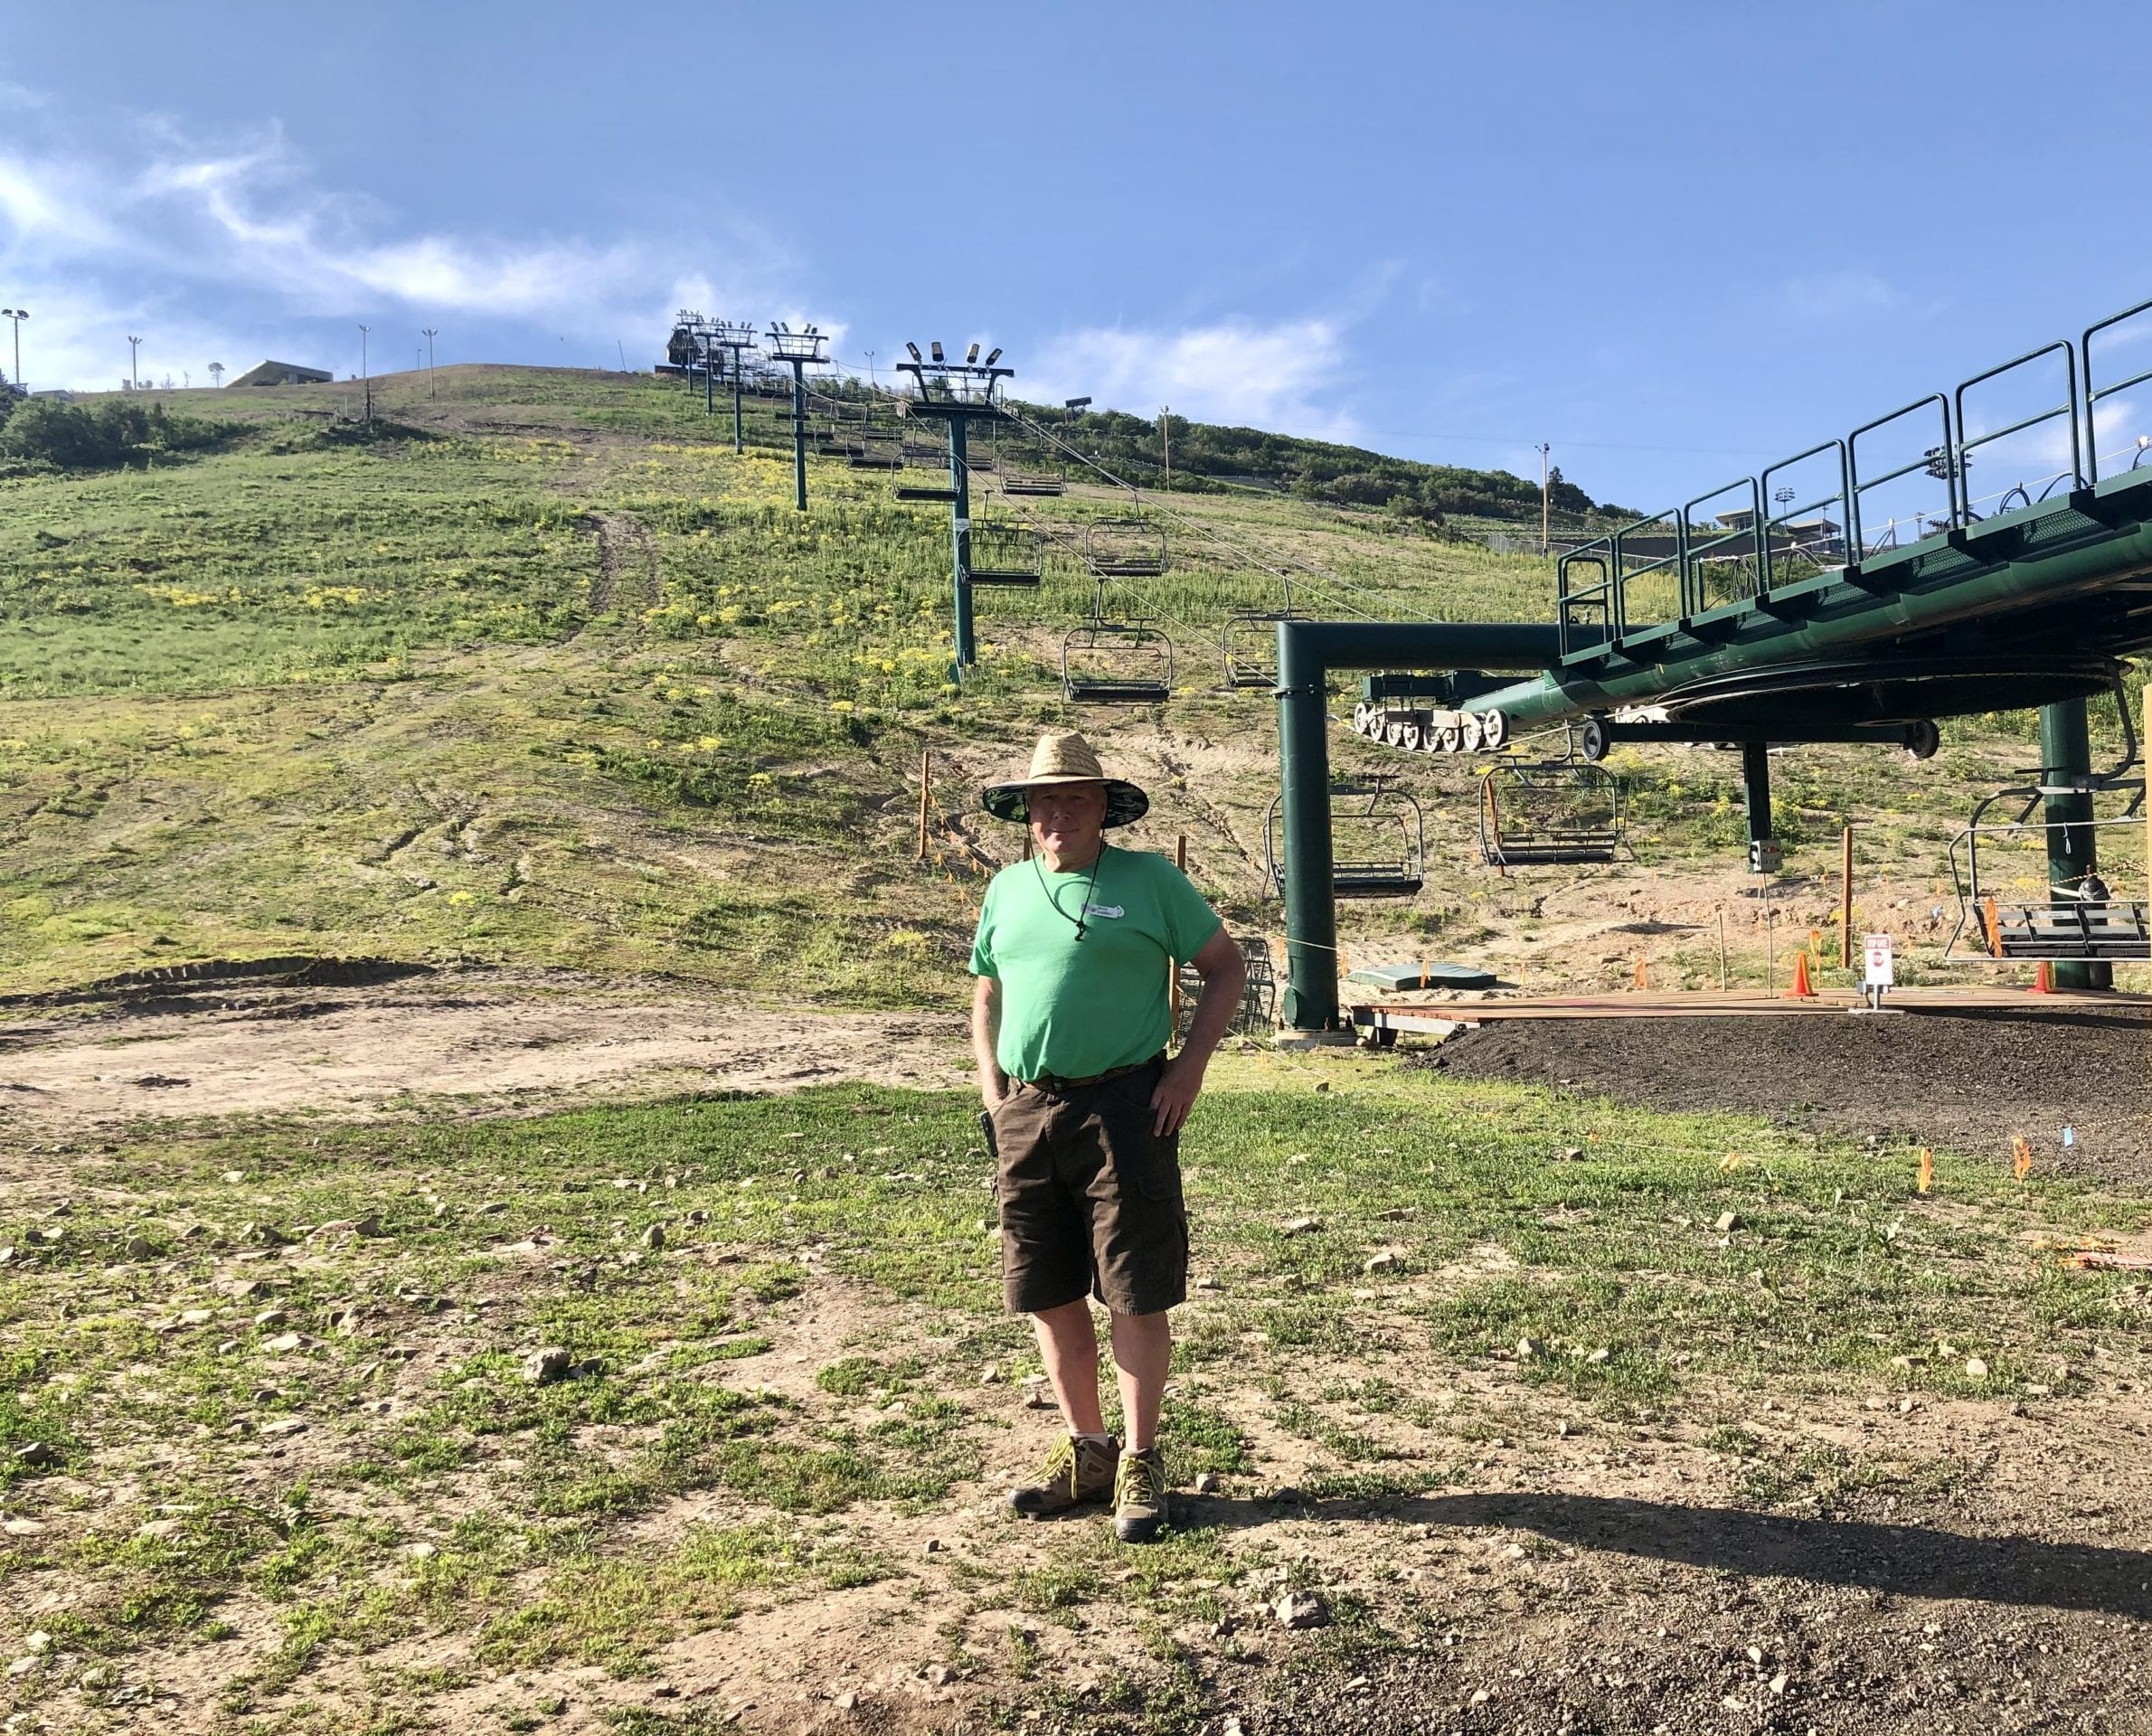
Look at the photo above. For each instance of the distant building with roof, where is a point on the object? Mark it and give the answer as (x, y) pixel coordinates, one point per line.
(284, 373)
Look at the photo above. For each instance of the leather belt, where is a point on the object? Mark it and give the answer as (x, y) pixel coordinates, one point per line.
(1054, 1082)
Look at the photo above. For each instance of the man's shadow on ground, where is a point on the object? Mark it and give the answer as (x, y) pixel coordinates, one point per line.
(1905, 1561)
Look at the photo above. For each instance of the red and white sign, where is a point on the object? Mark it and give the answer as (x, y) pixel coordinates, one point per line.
(1877, 950)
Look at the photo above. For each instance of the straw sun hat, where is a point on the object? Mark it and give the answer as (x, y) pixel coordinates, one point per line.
(1065, 756)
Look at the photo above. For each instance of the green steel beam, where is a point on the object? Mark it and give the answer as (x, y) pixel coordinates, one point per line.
(967, 651)
(799, 435)
(2065, 758)
(1835, 619)
(1755, 803)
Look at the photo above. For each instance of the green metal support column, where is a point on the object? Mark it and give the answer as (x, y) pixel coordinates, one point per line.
(2066, 755)
(799, 436)
(739, 439)
(967, 651)
(1306, 652)
(1756, 797)
(1310, 905)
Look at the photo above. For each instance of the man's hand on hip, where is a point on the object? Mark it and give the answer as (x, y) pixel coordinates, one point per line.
(1175, 1094)
(992, 1088)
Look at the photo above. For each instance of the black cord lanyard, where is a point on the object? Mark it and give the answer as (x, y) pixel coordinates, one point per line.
(1090, 886)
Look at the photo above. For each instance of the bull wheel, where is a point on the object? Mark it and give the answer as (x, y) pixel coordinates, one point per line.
(1447, 738)
(1469, 729)
(1593, 739)
(1394, 733)
(1409, 735)
(1493, 730)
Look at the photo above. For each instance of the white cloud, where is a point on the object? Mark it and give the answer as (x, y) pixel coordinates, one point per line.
(1236, 372)
(1835, 295)
(145, 228)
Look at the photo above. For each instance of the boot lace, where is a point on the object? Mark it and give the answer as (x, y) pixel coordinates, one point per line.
(1140, 1483)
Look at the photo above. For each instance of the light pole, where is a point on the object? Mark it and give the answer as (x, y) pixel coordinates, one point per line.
(433, 386)
(133, 364)
(365, 379)
(18, 315)
(1546, 517)
(870, 381)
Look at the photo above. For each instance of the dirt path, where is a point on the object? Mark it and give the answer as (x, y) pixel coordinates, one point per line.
(627, 580)
(496, 1038)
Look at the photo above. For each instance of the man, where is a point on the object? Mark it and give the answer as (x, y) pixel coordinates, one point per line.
(1070, 1025)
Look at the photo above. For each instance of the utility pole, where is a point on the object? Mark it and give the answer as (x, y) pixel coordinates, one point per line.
(957, 393)
(18, 315)
(796, 349)
(366, 379)
(1545, 516)
(1166, 434)
(133, 364)
(432, 385)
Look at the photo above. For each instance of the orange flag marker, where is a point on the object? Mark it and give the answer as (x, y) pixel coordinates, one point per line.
(2021, 1156)
(1927, 1169)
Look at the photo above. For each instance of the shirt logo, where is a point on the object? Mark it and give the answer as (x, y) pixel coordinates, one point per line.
(1104, 910)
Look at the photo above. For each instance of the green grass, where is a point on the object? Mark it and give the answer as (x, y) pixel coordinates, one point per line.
(531, 1501)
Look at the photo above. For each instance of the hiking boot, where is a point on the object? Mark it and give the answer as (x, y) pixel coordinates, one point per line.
(1140, 1505)
(1076, 1471)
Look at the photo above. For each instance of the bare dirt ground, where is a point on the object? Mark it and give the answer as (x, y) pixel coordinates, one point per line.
(495, 1039)
(1967, 1082)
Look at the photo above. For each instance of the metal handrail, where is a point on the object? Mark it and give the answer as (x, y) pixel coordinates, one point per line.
(2093, 397)
(1693, 601)
(1923, 463)
(1843, 496)
(1622, 577)
(1565, 598)
(2068, 407)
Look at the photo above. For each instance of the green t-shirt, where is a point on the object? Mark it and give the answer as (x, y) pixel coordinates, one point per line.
(1074, 1007)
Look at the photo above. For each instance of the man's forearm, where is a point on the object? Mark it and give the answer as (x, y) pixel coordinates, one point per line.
(986, 1031)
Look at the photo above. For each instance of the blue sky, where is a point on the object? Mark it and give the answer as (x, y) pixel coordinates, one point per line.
(1676, 241)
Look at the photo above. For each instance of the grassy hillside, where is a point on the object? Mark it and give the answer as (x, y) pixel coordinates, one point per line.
(539, 671)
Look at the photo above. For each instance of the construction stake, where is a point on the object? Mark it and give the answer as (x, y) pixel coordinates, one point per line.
(1845, 898)
(1721, 948)
(926, 795)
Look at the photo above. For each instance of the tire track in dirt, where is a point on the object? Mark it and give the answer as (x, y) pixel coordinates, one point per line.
(628, 581)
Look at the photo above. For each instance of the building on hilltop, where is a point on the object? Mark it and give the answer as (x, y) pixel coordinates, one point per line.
(284, 373)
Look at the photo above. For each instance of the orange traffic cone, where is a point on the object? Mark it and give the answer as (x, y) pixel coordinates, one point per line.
(2044, 980)
(1800, 991)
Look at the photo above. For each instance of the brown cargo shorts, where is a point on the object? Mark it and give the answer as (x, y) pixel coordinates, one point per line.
(1090, 1197)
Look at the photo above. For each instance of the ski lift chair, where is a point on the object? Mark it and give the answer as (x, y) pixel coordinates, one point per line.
(1029, 467)
(1257, 1014)
(1125, 548)
(1006, 555)
(1378, 844)
(1248, 644)
(1562, 811)
(1117, 662)
(2082, 919)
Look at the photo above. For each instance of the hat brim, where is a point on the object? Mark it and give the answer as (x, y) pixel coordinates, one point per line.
(1124, 802)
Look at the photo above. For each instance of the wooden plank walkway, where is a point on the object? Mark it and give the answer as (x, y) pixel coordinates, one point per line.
(1712, 1004)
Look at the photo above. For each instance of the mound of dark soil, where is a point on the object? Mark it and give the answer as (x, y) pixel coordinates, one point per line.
(1961, 1081)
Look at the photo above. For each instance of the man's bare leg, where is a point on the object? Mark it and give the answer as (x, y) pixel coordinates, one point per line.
(1142, 1355)
(1069, 1344)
